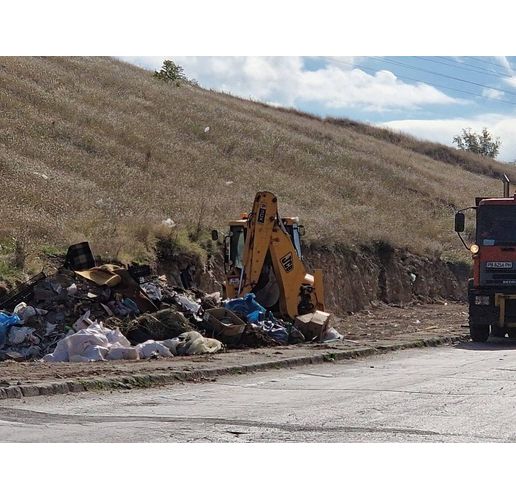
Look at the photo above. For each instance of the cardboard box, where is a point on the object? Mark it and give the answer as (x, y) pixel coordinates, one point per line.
(313, 325)
(226, 325)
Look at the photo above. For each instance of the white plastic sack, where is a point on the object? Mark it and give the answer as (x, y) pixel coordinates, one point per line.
(77, 345)
(194, 343)
(332, 335)
(151, 348)
(93, 343)
(118, 353)
(172, 344)
(187, 303)
(83, 322)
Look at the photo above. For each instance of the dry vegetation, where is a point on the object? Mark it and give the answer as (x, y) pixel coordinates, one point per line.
(93, 148)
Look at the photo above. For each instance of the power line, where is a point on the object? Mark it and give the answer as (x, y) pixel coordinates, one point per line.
(460, 65)
(488, 71)
(488, 62)
(366, 68)
(442, 75)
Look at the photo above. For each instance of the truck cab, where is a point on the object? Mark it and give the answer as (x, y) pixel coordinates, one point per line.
(492, 290)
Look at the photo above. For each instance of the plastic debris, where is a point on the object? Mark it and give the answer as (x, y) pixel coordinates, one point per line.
(21, 334)
(191, 343)
(152, 290)
(274, 330)
(90, 344)
(168, 222)
(247, 306)
(151, 348)
(332, 335)
(187, 303)
(7, 320)
(83, 322)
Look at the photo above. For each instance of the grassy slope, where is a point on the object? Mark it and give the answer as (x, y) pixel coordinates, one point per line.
(92, 148)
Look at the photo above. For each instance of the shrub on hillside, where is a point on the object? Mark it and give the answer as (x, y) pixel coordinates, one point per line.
(171, 72)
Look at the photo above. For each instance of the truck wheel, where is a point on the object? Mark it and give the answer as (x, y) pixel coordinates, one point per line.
(496, 331)
(479, 333)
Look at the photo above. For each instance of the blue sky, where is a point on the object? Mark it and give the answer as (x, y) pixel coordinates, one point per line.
(431, 97)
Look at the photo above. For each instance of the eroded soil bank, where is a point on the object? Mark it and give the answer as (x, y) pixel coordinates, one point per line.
(356, 278)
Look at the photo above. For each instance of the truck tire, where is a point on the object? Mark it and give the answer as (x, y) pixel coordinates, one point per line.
(479, 333)
(496, 331)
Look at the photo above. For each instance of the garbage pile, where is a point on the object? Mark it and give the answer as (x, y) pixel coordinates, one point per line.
(244, 321)
(89, 312)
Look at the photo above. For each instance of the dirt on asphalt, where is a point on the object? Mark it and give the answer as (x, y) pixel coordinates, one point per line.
(379, 326)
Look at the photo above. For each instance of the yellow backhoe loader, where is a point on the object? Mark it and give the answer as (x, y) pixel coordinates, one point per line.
(262, 255)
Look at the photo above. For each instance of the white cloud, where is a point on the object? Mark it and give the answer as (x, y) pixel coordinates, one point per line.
(443, 130)
(286, 81)
(505, 62)
(511, 81)
(492, 93)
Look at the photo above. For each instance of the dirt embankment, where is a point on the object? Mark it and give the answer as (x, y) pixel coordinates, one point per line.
(353, 279)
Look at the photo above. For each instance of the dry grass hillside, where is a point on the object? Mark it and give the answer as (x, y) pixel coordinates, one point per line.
(93, 148)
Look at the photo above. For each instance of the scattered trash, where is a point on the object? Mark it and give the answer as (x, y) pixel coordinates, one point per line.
(87, 311)
(331, 335)
(6, 320)
(247, 306)
(313, 325)
(151, 349)
(168, 222)
(188, 304)
(80, 257)
(21, 334)
(162, 325)
(224, 324)
(191, 343)
(274, 330)
(152, 290)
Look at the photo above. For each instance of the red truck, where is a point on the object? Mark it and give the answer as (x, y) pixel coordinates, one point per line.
(492, 290)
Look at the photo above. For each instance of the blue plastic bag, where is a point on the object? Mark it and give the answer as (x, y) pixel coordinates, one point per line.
(6, 321)
(275, 330)
(248, 307)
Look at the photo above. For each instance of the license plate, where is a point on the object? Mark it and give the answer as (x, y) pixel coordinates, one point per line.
(499, 265)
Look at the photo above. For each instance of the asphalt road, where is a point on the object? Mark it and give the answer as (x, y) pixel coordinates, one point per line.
(460, 394)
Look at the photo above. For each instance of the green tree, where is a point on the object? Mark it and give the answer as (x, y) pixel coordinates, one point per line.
(171, 72)
(483, 144)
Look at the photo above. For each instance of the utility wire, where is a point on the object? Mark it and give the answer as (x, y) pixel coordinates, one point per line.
(460, 65)
(488, 71)
(442, 75)
(366, 68)
(488, 62)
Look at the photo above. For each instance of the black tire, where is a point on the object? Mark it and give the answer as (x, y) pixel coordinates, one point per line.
(496, 331)
(479, 333)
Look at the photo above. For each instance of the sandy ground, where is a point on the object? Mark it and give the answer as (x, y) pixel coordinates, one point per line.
(380, 325)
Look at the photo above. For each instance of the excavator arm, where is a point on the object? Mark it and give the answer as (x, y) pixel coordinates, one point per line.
(300, 292)
(260, 225)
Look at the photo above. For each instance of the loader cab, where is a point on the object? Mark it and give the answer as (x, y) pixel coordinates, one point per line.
(235, 240)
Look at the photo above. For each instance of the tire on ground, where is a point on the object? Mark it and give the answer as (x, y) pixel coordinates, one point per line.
(496, 331)
(479, 333)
